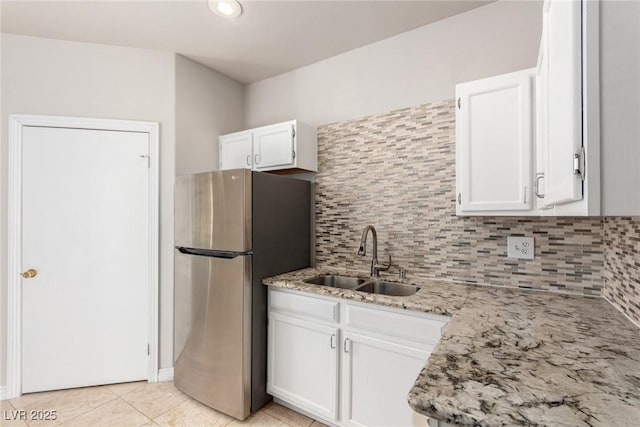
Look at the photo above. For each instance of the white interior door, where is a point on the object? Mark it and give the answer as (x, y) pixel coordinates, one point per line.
(85, 216)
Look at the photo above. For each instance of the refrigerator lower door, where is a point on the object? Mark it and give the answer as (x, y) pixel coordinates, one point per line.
(212, 335)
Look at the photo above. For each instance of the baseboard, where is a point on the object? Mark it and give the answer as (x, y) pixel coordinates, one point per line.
(3, 391)
(165, 374)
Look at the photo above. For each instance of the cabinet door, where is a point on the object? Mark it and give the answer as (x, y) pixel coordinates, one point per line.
(560, 75)
(236, 151)
(542, 114)
(494, 143)
(302, 365)
(376, 378)
(274, 146)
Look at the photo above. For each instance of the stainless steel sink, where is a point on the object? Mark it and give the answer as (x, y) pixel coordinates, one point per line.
(389, 288)
(371, 286)
(343, 282)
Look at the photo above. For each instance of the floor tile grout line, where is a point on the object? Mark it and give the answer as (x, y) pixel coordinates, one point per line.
(85, 412)
(266, 409)
(171, 408)
(286, 421)
(131, 391)
(137, 410)
(277, 419)
(74, 417)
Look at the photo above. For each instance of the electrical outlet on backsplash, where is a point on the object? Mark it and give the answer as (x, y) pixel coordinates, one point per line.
(412, 205)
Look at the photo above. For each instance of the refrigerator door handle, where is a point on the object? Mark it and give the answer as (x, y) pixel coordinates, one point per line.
(212, 253)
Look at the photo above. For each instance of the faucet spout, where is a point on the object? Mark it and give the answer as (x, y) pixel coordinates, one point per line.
(362, 249)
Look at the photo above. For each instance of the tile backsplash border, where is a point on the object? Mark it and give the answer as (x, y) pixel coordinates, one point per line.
(397, 171)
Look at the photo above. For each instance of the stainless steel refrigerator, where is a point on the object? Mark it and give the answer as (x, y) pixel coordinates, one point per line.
(232, 229)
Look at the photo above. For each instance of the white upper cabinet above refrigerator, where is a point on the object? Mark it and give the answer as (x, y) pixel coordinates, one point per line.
(236, 151)
(494, 144)
(290, 146)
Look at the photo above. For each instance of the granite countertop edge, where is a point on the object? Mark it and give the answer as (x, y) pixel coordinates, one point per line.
(513, 357)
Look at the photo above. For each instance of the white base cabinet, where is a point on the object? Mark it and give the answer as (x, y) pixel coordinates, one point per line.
(375, 374)
(347, 363)
(303, 365)
(281, 146)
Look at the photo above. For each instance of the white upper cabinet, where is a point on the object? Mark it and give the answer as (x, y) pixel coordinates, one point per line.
(236, 151)
(586, 152)
(275, 146)
(494, 144)
(559, 75)
(289, 145)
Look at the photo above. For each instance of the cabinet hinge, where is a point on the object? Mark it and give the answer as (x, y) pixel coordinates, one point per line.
(459, 198)
(148, 349)
(293, 131)
(579, 164)
(458, 103)
(294, 154)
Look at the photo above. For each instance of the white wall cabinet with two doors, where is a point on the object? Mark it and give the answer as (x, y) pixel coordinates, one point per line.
(287, 145)
(534, 142)
(347, 363)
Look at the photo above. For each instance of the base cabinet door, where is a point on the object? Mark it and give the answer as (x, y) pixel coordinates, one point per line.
(376, 378)
(302, 364)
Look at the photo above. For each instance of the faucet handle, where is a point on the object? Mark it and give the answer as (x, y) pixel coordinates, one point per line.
(381, 267)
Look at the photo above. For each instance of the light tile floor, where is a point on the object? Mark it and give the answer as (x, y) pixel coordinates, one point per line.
(137, 404)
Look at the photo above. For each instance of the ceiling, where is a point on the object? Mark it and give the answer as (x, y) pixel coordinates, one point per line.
(269, 38)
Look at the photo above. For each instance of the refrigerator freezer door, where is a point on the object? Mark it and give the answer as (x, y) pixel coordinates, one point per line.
(213, 210)
(212, 336)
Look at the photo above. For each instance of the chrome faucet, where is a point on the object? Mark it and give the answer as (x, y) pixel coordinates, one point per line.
(362, 250)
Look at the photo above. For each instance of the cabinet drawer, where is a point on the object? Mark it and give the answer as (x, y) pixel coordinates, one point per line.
(395, 325)
(304, 306)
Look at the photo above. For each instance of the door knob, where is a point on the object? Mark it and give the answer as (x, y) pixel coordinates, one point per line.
(30, 273)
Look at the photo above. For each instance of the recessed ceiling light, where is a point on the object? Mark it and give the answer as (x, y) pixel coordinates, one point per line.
(226, 8)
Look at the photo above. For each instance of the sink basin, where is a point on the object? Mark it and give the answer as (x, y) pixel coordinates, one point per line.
(343, 282)
(389, 288)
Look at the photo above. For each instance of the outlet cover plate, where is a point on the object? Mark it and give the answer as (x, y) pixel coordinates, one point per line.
(520, 247)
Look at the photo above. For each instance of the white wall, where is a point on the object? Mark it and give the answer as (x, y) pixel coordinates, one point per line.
(620, 106)
(412, 68)
(208, 104)
(44, 76)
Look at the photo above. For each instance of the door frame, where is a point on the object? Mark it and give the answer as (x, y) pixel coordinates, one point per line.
(17, 122)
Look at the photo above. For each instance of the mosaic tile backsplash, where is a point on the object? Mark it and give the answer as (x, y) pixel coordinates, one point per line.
(397, 172)
(622, 264)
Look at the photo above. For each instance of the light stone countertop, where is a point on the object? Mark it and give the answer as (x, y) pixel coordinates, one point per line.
(513, 357)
